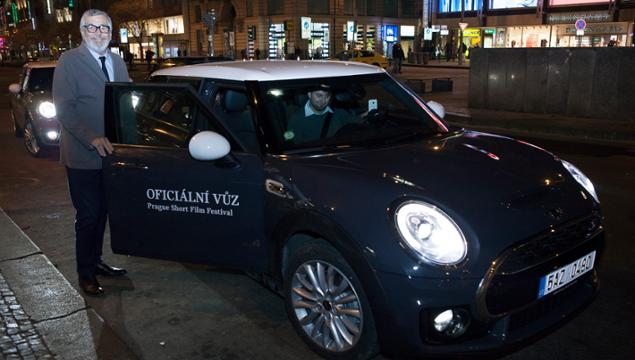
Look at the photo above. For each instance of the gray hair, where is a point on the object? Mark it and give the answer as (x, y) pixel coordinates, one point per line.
(94, 12)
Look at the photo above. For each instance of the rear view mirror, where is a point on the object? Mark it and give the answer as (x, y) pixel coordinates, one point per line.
(437, 108)
(15, 88)
(208, 145)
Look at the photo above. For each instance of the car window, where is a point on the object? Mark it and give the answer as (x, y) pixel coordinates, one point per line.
(41, 79)
(231, 106)
(368, 109)
(155, 117)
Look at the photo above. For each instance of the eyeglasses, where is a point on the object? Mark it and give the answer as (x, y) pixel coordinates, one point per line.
(104, 29)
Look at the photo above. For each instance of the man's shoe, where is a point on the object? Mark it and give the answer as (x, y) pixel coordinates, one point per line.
(90, 286)
(104, 269)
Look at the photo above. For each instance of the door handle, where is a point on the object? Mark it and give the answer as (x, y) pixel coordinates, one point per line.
(129, 165)
(276, 188)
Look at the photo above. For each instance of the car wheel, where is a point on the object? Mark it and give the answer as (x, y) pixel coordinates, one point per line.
(16, 129)
(327, 305)
(31, 141)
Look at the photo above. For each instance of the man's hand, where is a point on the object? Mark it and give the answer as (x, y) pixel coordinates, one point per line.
(102, 145)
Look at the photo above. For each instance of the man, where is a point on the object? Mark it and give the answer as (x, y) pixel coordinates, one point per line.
(78, 92)
(316, 120)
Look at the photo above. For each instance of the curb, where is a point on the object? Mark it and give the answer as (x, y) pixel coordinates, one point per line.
(68, 327)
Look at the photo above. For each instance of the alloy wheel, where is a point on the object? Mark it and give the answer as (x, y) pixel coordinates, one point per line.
(30, 140)
(327, 306)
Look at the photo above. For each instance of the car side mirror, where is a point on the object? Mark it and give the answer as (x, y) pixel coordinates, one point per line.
(208, 145)
(437, 108)
(15, 88)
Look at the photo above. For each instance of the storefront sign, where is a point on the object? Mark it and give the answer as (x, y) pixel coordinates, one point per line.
(510, 4)
(306, 27)
(350, 30)
(591, 29)
(427, 34)
(123, 35)
(589, 17)
(489, 31)
(445, 32)
(575, 2)
(390, 33)
(407, 31)
(472, 32)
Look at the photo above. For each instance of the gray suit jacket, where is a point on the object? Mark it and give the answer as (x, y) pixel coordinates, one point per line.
(78, 94)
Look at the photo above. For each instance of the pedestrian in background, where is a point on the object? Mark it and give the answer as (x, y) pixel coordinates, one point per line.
(78, 92)
(397, 57)
(149, 56)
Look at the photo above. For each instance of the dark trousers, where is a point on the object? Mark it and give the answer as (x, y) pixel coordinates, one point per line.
(87, 193)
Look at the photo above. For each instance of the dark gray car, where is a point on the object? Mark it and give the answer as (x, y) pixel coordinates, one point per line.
(32, 108)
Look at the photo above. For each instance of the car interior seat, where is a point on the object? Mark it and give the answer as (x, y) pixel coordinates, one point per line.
(237, 116)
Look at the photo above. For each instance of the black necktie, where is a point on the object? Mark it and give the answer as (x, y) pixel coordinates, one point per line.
(103, 67)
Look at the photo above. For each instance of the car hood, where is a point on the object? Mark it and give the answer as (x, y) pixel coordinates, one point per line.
(498, 190)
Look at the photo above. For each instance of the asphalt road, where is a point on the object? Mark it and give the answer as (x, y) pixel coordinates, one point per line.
(170, 310)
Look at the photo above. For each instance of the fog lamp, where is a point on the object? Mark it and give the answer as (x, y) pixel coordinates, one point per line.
(52, 135)
(452, 322)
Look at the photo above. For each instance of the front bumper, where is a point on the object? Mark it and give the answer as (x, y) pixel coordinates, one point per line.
(503, 305)
(44, 127)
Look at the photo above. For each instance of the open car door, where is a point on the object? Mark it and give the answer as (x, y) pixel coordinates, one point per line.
(165, 204)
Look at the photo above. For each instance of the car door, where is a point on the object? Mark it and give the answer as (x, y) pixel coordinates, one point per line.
(165, 204)
(18, 100)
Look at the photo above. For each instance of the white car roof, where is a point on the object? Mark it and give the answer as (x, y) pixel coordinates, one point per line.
(41, 64)
(265, 70)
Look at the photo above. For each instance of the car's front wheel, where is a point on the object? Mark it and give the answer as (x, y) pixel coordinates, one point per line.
(31, 141)
(327, 305)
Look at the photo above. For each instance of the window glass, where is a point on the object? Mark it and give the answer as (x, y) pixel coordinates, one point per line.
(41, 79)
(343, 111)
(156, 117)
(231, 107)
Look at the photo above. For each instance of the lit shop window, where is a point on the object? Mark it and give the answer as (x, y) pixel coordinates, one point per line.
(446, 6)
(511, 4)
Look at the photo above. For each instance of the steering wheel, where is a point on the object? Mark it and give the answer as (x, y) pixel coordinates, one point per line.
(375, 118)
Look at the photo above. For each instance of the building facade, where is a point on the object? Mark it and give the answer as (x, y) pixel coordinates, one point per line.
(532, 23)
(300, 28)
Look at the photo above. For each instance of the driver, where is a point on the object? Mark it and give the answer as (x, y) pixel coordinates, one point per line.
(316, 120)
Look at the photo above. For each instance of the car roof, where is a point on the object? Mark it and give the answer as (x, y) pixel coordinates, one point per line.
(41, 64)
(265, 70)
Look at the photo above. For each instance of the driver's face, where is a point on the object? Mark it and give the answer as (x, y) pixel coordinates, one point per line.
(320, 99)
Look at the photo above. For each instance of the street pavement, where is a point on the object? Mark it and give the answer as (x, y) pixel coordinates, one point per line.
(42, 315)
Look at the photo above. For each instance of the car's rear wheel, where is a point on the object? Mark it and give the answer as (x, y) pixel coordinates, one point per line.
(16, 129)
(31, 141)
(327, 305)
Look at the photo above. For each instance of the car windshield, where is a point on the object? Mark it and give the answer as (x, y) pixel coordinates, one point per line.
(341, 112)
(41, 79)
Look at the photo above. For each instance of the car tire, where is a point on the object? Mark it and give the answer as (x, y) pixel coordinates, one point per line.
(31, 141)
(17, 132)
(331, 313)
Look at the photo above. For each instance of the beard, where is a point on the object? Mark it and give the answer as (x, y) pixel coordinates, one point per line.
(98, 46)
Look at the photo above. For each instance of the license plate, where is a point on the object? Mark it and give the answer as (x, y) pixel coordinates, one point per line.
(566, 274)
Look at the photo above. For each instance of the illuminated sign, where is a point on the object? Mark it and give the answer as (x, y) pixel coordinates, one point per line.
(407, 30)
(390, 33)
(472, 32)
(575, 2)
(306, 27)
(511, 4)
(123, 34)
(350, 30)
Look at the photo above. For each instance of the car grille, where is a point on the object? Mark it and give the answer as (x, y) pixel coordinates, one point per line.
(514, 283)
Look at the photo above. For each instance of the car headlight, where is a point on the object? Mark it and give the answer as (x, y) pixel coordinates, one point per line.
(47, 109)
(430, 233)
(581, 179)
